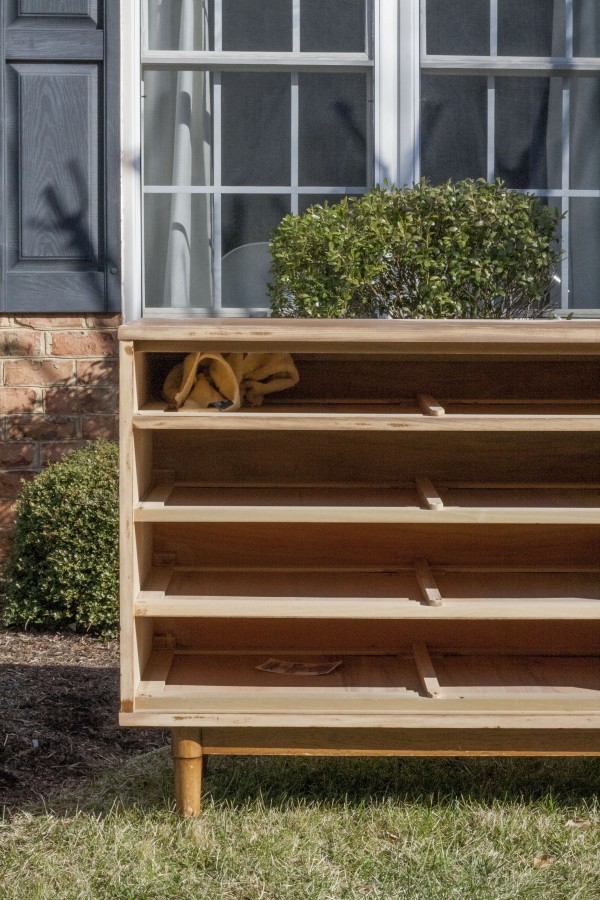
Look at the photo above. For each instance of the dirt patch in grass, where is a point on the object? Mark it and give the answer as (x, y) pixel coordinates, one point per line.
(59, 701)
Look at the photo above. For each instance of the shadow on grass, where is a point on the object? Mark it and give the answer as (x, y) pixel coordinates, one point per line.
(63, 744)
(145, 783)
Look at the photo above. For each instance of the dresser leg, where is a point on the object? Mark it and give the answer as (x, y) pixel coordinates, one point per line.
(186, 747)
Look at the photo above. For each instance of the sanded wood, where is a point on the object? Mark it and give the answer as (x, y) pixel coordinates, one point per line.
(393, 457)
(205, 682)
(458, 337)
(322, 636)
(533, 496)
(160, 512)
(428, 494)
(354, 594)
(243, 607)
(391, 545)
(127, 556)
(559, 720)
(385, 378)
(386, 420)
(154, 676)
(429, 406)
(426, 671)
(461, 508)
(429, 589)
(405, 742)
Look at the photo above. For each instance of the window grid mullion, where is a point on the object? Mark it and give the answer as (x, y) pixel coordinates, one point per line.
(294, 143)
(565, 185)
(295, 109)
(491, 128)
(296, 26)
(569, 29)
(423, 29)
(217, 218)
(267, 189)
(493, 27)
(517, 66)
(491, 95)
(566, 160)
(218, 13)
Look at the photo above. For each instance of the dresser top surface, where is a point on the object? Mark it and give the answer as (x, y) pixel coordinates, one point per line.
(372, 335)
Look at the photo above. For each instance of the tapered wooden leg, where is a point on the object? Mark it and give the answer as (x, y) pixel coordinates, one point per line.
(187, 757)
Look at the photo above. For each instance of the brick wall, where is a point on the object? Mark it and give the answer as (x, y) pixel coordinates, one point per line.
(58, 389)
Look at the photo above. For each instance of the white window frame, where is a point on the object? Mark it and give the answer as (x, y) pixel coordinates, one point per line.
(400, 58)
(566, 68)
(388, 16)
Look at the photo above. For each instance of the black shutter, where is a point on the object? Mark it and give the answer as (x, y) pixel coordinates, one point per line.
(59, 200)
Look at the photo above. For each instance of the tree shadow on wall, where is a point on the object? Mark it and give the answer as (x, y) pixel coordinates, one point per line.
(70, 226)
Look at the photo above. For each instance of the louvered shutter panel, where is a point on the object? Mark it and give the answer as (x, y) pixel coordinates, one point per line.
(59, 92)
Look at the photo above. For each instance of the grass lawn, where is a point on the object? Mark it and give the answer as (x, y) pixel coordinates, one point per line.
(281, 829)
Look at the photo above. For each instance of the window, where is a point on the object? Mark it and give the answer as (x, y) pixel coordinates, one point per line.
(255, 108)
(511, 90)
(252, 110)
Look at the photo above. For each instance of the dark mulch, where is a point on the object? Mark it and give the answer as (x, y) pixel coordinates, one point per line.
(59, 702)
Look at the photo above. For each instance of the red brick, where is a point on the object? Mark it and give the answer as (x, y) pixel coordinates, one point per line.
(44, 323)
(7, 514)
(10, 482)
(98, 371)
(84, 343)
(17, 400)
(106, 427)
(37, 371)
(52, 452)
(20, 343)
(41, 428)
(16, 456)
(107, 321)
(78, 400)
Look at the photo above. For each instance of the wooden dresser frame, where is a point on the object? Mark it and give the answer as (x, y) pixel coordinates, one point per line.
(424, 507)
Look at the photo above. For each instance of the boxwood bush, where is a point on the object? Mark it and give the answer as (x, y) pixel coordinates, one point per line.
(62, 566)
(468, 249)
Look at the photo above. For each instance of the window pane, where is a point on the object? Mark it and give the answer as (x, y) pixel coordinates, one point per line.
(453, 127)
(529, 132)
(585, 133)
(256, 128)
(246, 24)
(333, 129)
(328, 25)
(248, 221)
(180, 24)
(586, 28)
(458, 27)
(178, 128)
(306, 200)
(177, 250)
(584, 259)
(531, 28)
(257, 25)
(555, 204)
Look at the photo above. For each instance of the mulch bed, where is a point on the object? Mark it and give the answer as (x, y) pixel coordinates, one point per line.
(59, 701)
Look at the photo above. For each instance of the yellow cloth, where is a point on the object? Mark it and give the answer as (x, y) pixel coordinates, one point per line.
(226, 380)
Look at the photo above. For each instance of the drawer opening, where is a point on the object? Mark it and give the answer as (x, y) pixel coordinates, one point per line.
(476, 468)
(428, 385)
(415, 680)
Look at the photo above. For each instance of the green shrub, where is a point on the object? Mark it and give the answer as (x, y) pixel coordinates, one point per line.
(62, 567)
(462, 250)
